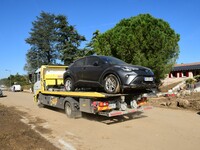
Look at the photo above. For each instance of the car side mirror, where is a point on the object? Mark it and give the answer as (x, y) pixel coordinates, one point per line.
(96, 63)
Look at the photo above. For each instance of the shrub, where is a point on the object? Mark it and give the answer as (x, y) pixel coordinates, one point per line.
(197, 78)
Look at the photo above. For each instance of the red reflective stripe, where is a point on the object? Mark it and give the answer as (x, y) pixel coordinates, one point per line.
(133, 110)
(116, 114)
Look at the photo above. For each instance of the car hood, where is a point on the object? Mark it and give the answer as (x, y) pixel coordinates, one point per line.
(134, 66)
(138, 69)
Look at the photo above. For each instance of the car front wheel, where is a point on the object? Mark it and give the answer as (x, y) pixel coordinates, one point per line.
(69, 84)
(111, 84)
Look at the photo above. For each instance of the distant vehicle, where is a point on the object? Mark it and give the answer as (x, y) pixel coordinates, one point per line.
(109, 73)
(1, 93)
(3, 87)
(16, 88)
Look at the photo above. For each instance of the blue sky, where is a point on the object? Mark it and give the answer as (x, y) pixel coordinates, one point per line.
(88, 16)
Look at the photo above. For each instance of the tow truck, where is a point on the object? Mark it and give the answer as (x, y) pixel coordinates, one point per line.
(49, 90)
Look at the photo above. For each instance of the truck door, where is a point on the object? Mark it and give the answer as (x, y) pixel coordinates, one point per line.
(37, 82)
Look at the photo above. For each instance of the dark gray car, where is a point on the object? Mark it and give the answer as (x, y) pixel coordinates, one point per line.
(109, 73)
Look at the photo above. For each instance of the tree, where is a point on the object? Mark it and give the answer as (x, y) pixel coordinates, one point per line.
(20, 79)
(51, 39)
(141, 40)
(42, 40)
(69, 40)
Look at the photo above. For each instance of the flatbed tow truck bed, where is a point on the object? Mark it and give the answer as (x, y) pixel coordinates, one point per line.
(83, 94)
(103, 104)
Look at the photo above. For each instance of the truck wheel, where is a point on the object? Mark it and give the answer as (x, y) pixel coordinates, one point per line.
(40, 105)
(111, 84)
(69, 84)
(69, 110)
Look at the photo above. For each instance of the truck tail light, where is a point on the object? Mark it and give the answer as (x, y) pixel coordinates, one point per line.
(144, 99)
(103, 104)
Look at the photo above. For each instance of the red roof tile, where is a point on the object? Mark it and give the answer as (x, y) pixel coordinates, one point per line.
(188, 64)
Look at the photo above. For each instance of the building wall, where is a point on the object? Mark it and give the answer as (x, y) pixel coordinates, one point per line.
(181, 74)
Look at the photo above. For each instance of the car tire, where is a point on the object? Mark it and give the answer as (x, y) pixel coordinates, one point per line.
(111, 84)
(69, 84)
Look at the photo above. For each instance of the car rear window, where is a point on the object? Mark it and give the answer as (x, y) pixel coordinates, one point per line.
(79, 62)
(91, 60)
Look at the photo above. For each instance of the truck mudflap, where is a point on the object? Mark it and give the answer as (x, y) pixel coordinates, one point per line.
(114, 113)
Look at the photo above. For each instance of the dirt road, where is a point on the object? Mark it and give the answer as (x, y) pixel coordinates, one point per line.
(157, 129)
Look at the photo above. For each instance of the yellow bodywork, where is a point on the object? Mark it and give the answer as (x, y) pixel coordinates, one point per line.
(51, 76)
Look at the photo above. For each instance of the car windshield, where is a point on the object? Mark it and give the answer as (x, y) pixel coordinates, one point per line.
(112, 60)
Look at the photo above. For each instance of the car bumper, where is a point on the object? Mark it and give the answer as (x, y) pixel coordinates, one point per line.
(139, 83)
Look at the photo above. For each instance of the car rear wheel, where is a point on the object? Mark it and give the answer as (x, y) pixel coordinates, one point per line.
(111, 84)
(69, 84)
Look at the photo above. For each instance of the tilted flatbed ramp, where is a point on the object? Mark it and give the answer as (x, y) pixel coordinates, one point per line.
(82, 94)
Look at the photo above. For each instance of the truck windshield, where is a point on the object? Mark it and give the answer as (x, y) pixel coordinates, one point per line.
(37, 77)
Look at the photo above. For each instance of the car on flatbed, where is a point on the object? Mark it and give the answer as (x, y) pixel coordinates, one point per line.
(109, 73)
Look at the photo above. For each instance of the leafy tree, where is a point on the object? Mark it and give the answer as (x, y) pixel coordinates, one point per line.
(42, 40)
(69, 40)
(51, 39)
(20, 79)
(141, 40)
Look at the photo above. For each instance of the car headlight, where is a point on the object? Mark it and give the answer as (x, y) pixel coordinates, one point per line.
(128, 69)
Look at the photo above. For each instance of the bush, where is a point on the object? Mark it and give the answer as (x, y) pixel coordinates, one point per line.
(197, 78)
(190, 81)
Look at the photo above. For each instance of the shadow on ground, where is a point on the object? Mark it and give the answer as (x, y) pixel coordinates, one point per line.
(3, 96)
(113, 120)
(104, 119)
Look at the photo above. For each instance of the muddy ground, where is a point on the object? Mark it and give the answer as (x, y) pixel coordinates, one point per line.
(16, 135)
(188, 102)
(158, 128)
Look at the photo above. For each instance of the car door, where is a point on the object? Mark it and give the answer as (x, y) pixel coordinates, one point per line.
(93, 69)
(77, 70)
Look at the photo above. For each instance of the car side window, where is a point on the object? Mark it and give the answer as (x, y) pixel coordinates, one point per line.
(93, 61)
(79, 62)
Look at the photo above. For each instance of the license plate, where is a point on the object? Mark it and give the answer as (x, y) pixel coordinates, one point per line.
(112, 106)
(148, 78)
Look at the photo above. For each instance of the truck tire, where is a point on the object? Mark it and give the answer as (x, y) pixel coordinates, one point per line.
(69, 110)
(39, 104)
